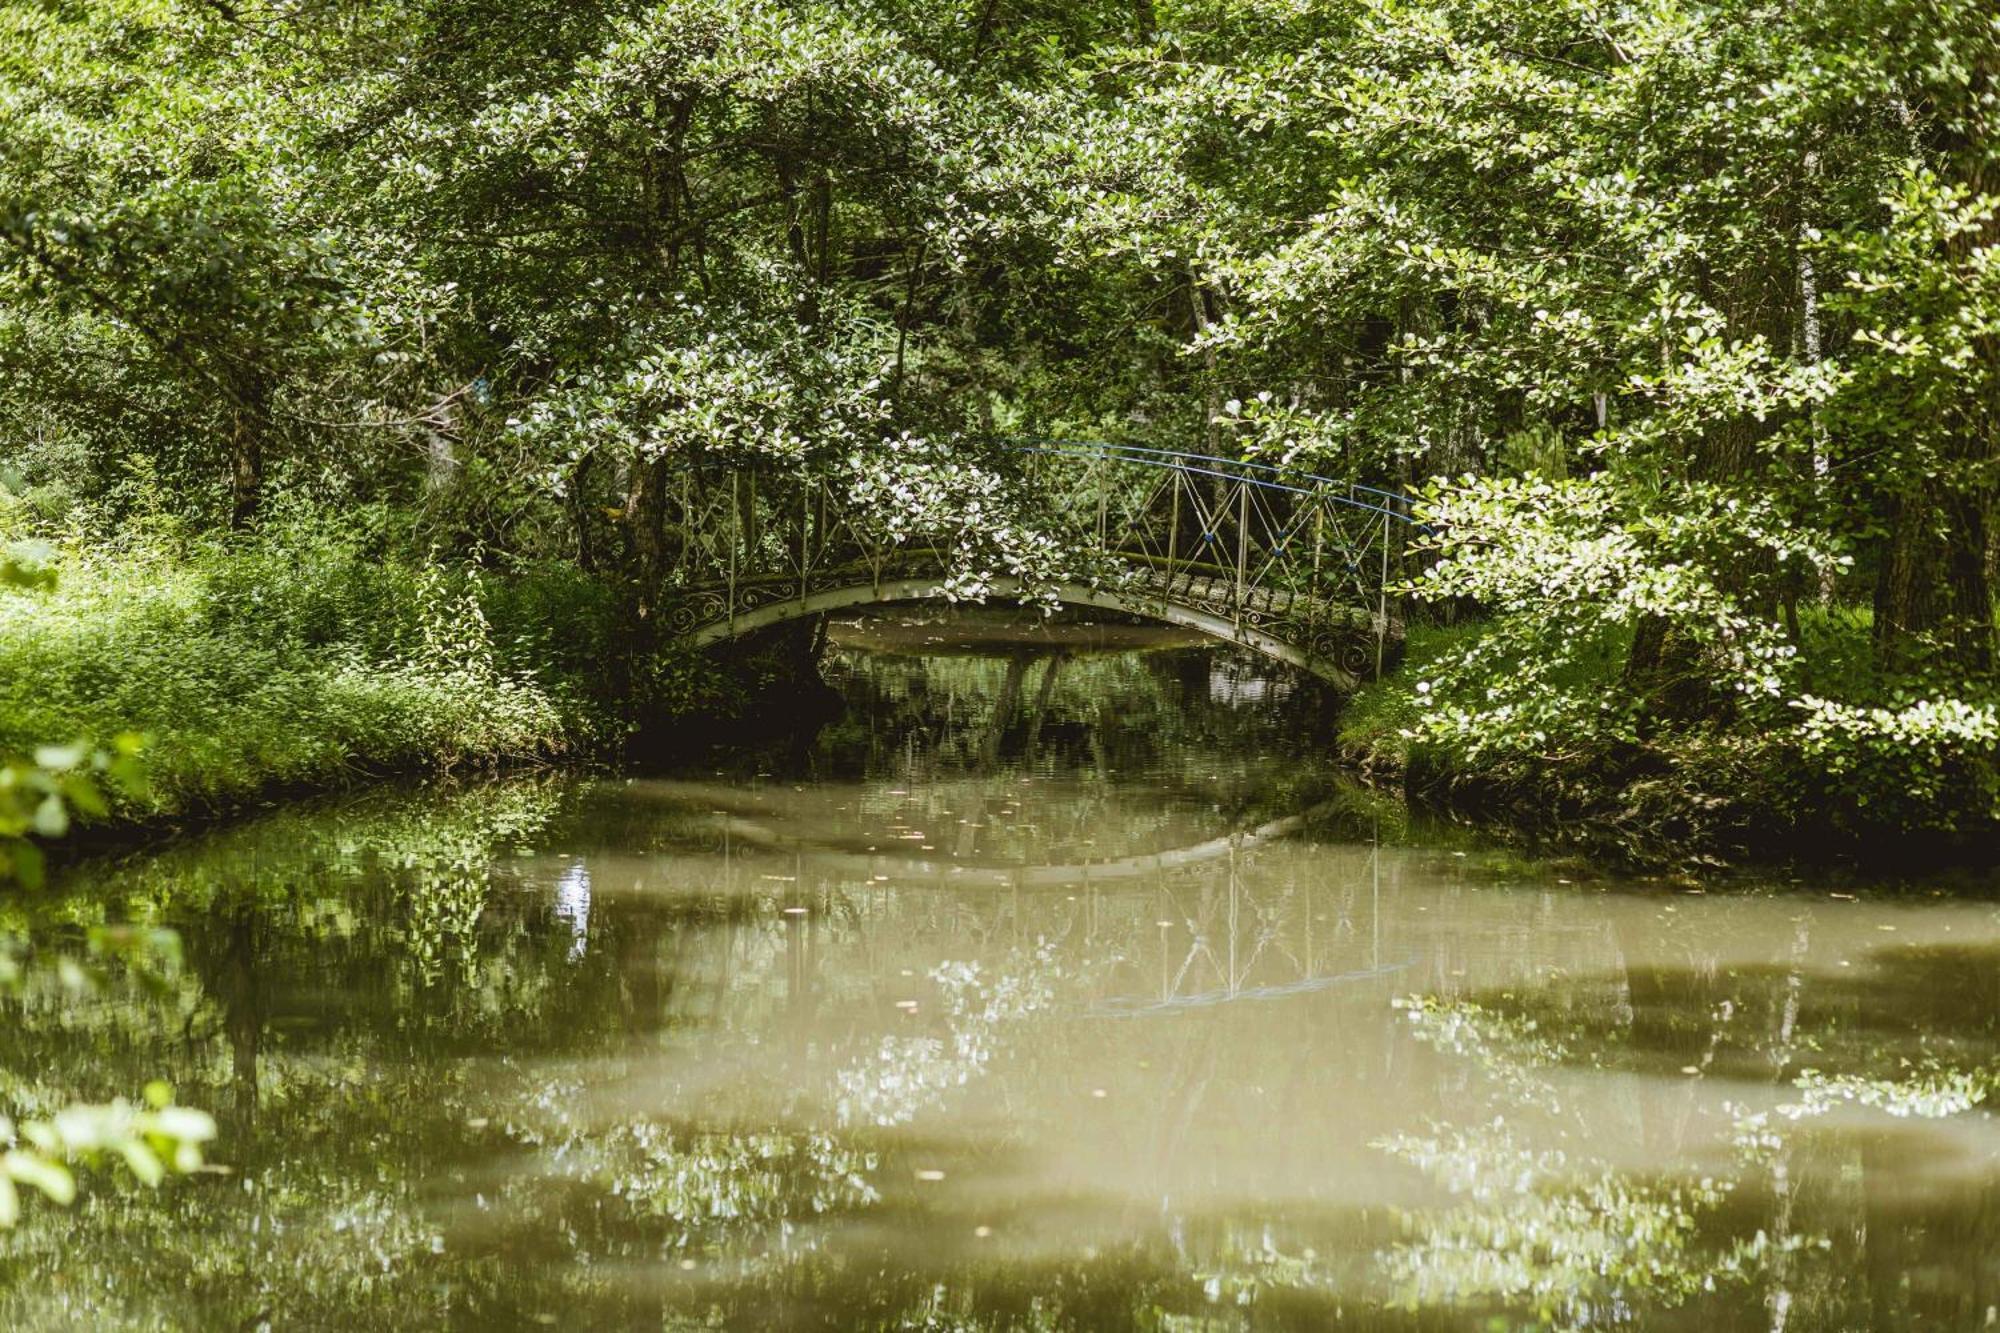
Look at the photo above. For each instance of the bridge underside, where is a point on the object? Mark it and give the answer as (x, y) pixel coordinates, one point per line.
(1341, 645)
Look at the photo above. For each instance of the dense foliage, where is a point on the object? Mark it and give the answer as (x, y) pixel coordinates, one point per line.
(1683, 319)
(290, 661)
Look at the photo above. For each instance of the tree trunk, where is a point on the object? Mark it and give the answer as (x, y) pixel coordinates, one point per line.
(1649, 642)
(1933, 602)
(579, 511)
(247, 422)
(1933, 595)
(645, 513)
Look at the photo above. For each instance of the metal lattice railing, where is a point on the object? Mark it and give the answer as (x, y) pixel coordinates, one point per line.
(1275, 557)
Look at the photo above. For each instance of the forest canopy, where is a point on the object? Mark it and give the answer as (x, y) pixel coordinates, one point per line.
(1680, 322)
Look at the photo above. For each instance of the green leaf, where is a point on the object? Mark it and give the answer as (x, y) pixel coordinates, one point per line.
(185, 1124)
(59, 758)
(51, 1178)
(27, 863)
(52, 817)
(83, 795)
(145, 1163)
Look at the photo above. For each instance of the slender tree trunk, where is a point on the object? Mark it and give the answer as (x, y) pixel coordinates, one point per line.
(1933, 601)
(1003, 710)
(579, 513)
(1042, 699)
(249, 418)
(980, 34)
(244, 1018)
(1649, 642)
(645, 513)
(1812, 347)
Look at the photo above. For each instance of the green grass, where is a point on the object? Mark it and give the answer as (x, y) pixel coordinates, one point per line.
(297, 662)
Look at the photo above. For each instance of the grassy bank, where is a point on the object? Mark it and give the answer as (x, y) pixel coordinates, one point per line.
(299, 661)
(1890, 778)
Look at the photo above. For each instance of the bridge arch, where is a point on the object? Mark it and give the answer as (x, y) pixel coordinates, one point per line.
(1343, 654)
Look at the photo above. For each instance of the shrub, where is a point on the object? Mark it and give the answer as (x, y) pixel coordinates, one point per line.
(297, 659)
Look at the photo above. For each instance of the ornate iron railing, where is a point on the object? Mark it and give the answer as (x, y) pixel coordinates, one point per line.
(1287, 561)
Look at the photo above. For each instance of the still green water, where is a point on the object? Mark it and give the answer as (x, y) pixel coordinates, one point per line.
(1117, 1013)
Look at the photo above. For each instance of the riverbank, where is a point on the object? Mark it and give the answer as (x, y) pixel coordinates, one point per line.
(302, 660)
(280, 665)
(1716, 792)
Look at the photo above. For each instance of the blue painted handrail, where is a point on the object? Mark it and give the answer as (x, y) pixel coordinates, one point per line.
(1147, 456)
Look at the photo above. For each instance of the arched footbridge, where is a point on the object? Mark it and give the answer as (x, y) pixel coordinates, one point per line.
(1285, 562)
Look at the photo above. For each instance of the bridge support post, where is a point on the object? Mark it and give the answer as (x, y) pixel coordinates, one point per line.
(1382, 603)
(1103, 499)
(805, 538)
(1242, 545)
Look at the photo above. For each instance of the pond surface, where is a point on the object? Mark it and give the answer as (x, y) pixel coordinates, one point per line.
(1117, 1012)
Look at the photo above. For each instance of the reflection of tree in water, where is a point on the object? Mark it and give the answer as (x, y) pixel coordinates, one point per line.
(420, 1132)
(1025, 761)
(1556, 1233)
(1810, 1224)
(324, 972)
(907, 1075)
(924, 718)
(340, 973)
(541, 1093)
(711, 1186)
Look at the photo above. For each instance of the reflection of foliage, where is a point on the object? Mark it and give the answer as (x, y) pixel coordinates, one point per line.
(1571, 1240)
(130, 983)
(310, 1239)
(150, 1140)
(907, 1075)
(433, 857)
(706, 1183)
(438, 862)
(1928, 1091)
(1130, 712)
(446, 900)
(1134, 742)
(1580, 1243)
(1501, 1046)
(769, 1177)
(1931, 1092)
(445, 870)
(1580, 1248)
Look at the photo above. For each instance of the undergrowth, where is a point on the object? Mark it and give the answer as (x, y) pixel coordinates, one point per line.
(1883, 772)
(298, 659)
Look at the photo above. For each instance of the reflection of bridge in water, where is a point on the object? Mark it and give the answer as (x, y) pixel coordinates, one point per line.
(1226, 919)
